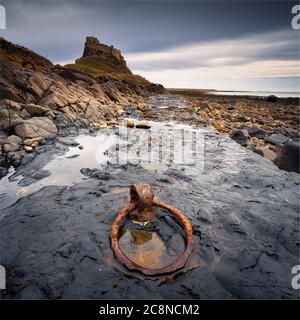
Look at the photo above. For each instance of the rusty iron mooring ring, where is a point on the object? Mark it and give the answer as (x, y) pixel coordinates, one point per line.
(141, 202)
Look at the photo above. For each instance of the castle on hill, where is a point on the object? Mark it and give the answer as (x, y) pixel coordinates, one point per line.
(93, 47)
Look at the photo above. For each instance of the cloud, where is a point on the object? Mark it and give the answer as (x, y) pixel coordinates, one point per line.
(180, 44)
(220, 52)
(267, 56)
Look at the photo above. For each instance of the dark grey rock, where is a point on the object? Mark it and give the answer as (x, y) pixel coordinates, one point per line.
(3, 171)
(226, 116)
(271, 98)
(30, 292)
(256, 132)
(277, 138)
(241, 137)
(288, 158)
(67, 141)
(96, 173)
(36, 176)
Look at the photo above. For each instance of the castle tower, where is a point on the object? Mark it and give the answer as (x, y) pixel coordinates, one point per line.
(109, 54)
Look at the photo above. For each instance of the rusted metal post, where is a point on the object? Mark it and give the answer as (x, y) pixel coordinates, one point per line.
(142, 195)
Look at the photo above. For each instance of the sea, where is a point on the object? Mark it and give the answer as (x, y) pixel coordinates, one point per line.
(279, 94)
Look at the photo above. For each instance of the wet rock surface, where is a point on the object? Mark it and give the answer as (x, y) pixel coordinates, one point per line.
(55, 244)
(257, 123)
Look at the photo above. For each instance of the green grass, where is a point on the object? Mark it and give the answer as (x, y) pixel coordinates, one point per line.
(96, 68)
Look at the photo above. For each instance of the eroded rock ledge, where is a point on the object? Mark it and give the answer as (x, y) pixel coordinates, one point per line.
(39, 99)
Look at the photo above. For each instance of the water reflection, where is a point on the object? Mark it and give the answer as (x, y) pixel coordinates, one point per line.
(146, 248)
(153, 246)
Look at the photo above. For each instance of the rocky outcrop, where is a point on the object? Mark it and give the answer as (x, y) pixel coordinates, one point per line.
(42, 100)
(36, 127)
(23, 56)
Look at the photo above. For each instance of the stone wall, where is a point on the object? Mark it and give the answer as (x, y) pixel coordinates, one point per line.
(93, 46)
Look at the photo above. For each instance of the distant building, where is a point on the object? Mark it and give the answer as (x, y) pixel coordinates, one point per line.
(93, 47)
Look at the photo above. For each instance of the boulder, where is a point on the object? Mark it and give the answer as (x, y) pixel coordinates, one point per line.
(3, 135)
(9, 117)
(13, 144)
(112, 122)
(288, 158)
(14, 119)
(271, 98)
(35, 110)
(11, 104)
(277, 138)
(14, 139)
(241, 137)
(36, 127)
(11, 147)
(4, 118)
(256, 132)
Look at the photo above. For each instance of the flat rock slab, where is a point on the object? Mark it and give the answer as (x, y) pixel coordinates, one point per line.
(277, 138)
(55, 243)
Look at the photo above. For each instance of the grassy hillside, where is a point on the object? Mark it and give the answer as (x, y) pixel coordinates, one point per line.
(96, 68)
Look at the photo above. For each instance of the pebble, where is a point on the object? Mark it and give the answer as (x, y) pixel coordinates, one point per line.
(129, 123)
(28, 148)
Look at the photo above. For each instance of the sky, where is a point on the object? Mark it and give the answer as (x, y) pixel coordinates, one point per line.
(225, 45)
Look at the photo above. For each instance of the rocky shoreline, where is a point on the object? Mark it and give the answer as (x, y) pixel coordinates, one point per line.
(54, 236)
(269, 126)
(243, 209)
(40, 100)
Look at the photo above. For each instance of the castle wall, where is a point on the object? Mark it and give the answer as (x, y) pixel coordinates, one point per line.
(94, 45)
